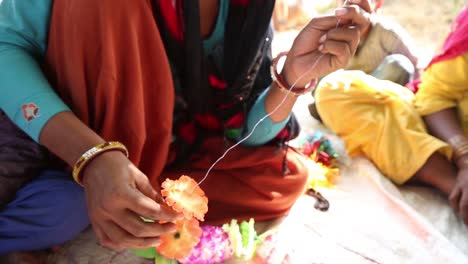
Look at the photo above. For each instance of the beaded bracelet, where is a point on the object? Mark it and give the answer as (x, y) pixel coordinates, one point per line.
(283, 85)
(91, 154)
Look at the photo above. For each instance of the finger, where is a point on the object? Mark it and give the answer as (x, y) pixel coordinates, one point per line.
(365, 5)
(105, 241)
(323, 23)
(353, 14)
(463, 207)
(350, 35)
(137, 227)
(120, 239)
(144, 206)
(454, 198)
(102, 238)
(143, 185)
(341, 50)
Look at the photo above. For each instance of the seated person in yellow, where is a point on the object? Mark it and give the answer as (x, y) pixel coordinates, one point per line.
(386, 50)
(419, 137)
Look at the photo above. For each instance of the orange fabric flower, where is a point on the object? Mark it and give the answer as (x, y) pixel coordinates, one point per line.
(178, 245)
(185, 196)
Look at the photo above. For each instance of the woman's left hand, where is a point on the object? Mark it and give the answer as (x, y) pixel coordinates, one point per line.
(325, 45)
(459, 196)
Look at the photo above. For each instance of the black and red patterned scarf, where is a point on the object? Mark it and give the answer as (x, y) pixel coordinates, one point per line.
(215, 98)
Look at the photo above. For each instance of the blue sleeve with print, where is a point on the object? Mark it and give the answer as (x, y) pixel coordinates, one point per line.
(25, 94)
(266, 130)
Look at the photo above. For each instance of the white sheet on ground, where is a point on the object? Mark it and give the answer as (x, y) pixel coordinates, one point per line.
(373, 221)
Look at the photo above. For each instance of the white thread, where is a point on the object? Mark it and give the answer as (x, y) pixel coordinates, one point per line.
(265, 117)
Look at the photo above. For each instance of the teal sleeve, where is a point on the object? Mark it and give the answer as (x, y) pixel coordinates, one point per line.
(23, 38)
(266, 130)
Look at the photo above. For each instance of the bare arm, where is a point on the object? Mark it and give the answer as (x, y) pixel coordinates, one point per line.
(67, 137)
(444, 124)
(441, 91)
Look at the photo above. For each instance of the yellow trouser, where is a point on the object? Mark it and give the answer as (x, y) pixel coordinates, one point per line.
(377, 118)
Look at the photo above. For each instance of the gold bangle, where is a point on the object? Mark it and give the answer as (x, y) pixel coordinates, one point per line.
(458, 155)
(461, 149)
(91, 154)
(459, 144)
(457, 140)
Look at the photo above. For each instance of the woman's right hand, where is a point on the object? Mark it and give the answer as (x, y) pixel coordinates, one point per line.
(118, 195)
(324, 45)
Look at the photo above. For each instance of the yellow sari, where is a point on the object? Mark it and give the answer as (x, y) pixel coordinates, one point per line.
(382, 120)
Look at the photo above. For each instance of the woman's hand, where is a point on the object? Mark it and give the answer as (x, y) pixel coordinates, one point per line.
(325, 45)
(459, 196)
(117, 195)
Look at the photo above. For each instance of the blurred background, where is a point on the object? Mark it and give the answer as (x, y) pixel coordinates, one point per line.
(427, 21)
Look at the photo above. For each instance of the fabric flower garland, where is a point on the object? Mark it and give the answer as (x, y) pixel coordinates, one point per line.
(192, 244)
(186, 197)
(318, 148)
(215, 244)
(214, 247)
(179, 244)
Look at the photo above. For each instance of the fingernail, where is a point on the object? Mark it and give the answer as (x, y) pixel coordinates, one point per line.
(179, 215)
(156, 244)
(146, 220)
(320, 47)
(341, 11)
(323, 38)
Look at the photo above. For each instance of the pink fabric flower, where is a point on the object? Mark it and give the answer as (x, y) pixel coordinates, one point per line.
(214, 247)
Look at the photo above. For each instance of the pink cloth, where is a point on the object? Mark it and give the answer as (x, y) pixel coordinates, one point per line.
(455, 44)
(457, 41)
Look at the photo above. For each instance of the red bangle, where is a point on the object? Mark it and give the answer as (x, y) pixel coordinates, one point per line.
(283, 85)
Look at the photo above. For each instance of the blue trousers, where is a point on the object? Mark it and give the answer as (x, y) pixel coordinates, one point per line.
(46, 212)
